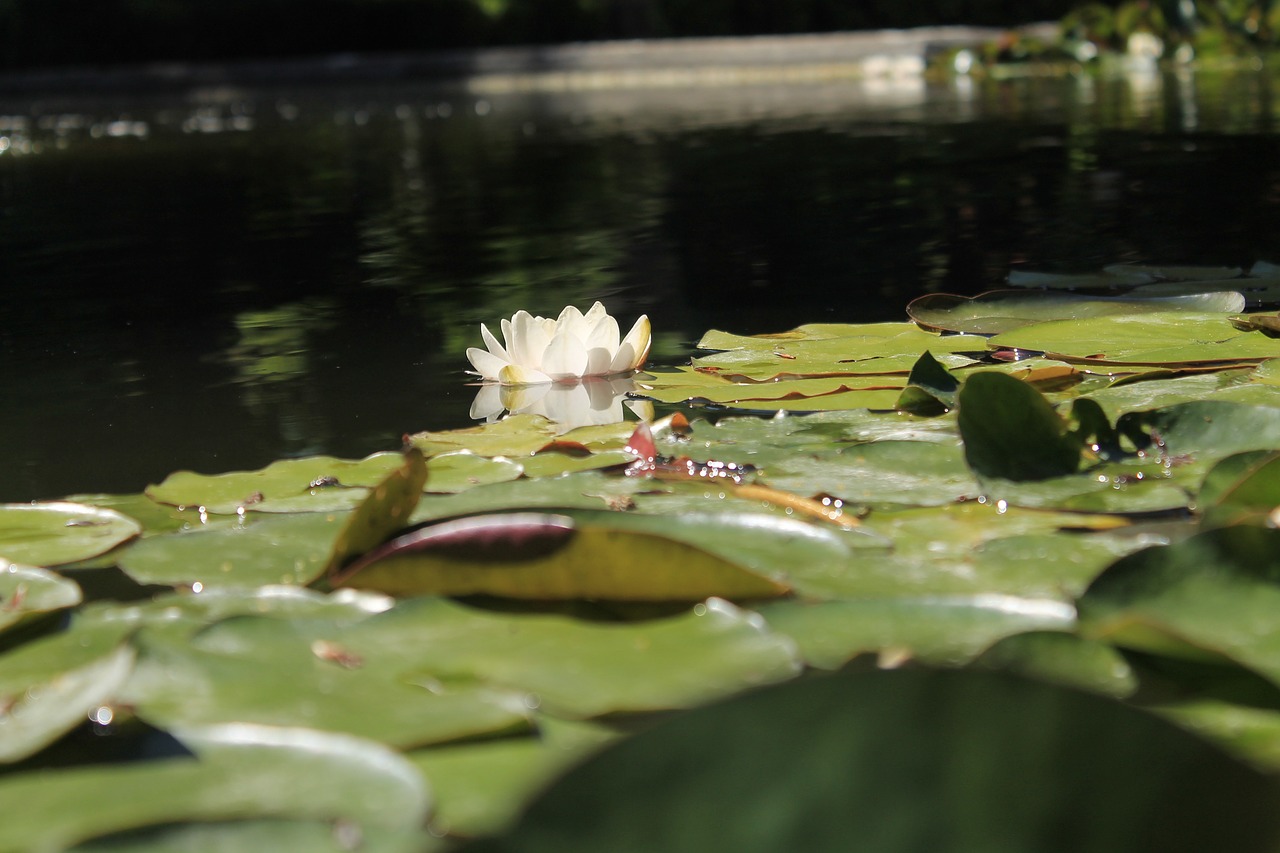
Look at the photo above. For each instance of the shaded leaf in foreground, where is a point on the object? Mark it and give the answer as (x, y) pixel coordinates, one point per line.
(906, 761)
(1011, 432)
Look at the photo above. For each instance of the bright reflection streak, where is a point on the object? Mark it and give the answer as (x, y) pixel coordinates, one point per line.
(590, 402)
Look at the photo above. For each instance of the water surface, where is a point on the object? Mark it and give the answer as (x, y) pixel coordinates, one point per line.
(216, 281)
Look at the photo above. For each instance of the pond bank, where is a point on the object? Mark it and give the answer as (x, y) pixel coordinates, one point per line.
(659, 63)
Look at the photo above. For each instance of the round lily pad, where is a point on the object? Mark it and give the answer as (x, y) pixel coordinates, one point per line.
(50, 534)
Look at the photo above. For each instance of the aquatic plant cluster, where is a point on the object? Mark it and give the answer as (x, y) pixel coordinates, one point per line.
(1141, 33)
(1028, 537)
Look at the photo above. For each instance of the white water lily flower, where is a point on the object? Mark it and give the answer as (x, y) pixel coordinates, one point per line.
(573, 346)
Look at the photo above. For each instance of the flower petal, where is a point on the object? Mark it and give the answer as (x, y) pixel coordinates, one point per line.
(492, 343)
(565, 356)
(530, 340)
(485, 363)
(601, 345)
(634, 349)
(570, 320)
(516, 374)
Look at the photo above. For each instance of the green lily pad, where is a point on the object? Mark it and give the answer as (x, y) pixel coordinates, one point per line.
(979, 548)
(271, 671)
(241, 772)
(1155, 338)
(920, 473)
(312, 484)
(1065, 659)
(1268, 372)
(50, 534)
(480, 788)
(314, 836)
(518, 436)
(1244, 488)
(383, 512)
(460, 470)
(815, 393)
(27, 592)
(907, 760)
(576, 668)
(1193, 436)
(1212, 596)
(931, 389)
(1004, 310)
(549, 557)
(1011, 432)
(262, 549)
(941, 630)
(49, 686)
(1252, 734)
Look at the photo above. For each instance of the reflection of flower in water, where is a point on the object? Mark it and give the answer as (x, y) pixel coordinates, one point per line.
(590, 402)
(538, 350)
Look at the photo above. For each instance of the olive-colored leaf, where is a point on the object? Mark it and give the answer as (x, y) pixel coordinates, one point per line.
(906, 760)
(50, 534)
(27, 592)
(1004, 310)
(1011, 432)
(383, 512)
(540, 556)
(239, 772)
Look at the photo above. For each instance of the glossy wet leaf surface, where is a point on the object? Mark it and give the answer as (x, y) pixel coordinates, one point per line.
(1003, 311)
(238, 772)
(49, 534)
(27, 593)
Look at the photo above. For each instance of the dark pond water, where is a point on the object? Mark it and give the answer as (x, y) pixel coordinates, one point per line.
(217, 281)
